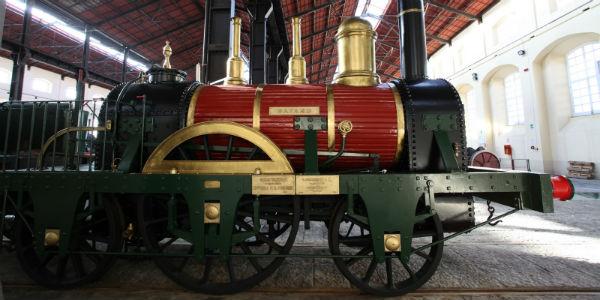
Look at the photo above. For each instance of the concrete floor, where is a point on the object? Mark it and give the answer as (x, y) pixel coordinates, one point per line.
(559, 253)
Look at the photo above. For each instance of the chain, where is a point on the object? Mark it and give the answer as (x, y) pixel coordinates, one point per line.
(491, 210)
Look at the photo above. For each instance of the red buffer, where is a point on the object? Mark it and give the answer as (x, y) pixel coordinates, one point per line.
(562, 188)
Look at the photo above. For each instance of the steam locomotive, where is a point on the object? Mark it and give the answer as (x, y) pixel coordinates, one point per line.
(213, 181)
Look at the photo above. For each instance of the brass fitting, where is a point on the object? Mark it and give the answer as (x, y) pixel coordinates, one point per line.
(51, 237)
(297, 64)
(212, 213)
(235, 64)
(128, 232)
(345, 127)
(167, 52)
(356, 53)
(391, 242)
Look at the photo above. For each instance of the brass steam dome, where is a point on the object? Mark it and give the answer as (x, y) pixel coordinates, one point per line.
(356, 53)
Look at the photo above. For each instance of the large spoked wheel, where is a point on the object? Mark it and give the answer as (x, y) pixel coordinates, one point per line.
(274, 234)
(349, 235)
(96, 230)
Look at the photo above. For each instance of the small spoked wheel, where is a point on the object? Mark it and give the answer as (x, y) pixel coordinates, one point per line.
(272, 235)
(350, 235)
(96, 230)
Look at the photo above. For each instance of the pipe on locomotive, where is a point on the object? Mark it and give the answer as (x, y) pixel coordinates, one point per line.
(235, 63)
(297, 64)
(413, 51)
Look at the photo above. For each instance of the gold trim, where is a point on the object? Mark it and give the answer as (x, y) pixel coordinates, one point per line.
(410, 10)
(51, 237)
(399, 119)
(192, 106)
(278, 164)
(330, 118)
(62, 132)
(212, 213)
(294, 111)
(256, 107)
(392, 242)
(317, 185)
(212, 184)
(273, 185)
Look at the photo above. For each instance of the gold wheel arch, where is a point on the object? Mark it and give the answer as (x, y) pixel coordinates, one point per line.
(278, 163)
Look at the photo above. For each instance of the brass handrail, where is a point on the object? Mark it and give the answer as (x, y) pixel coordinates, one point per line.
(62, 132)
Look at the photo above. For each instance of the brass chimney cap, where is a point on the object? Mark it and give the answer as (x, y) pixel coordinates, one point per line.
(356, 53)
(355, 25)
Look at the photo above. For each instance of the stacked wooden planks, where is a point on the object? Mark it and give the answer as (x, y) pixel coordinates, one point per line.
(581, 169)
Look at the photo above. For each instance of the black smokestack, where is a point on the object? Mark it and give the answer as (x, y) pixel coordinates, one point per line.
(413, 51)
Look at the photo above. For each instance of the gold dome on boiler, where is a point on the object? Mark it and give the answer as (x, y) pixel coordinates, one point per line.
(356, 53)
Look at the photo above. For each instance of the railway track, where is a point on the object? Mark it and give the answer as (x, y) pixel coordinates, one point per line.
(93, 293)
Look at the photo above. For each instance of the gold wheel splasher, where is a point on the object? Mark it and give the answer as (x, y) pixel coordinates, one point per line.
(278, 163)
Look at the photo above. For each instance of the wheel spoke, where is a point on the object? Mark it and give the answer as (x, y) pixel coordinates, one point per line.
(207, 268)
(206, 151)
(422, 254)
(230, 271)
(351, 261)
(47, 260)
(148, 223)
(349, 230)
(408, 269)
(94, 223)
(167, 244)
(253, 260)
(253, 153)
(361, 224)
(185, 259)
(262, 237)
(77, 262)
(421, 234)
(60, 269)
(356, 240)
(389, 272)
(93, 257)
(370, 271)
(229, 148)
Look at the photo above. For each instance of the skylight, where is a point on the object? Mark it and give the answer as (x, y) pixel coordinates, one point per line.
(373, 10)
(55, 23)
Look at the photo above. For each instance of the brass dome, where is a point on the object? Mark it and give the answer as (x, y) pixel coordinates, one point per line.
(356, 53)
(355, 25)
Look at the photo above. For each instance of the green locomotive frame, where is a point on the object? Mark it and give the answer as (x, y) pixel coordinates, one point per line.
(391, 199)
(393, 205)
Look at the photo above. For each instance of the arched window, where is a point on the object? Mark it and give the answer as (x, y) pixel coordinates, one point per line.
(513, 95)
(41, 85)
(583, 67)
(5, 76)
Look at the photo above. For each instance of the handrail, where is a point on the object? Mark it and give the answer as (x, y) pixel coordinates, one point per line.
(62, 132)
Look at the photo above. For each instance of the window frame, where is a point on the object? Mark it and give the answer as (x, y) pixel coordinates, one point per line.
(48, 83)
(570, 82)
(521, 103)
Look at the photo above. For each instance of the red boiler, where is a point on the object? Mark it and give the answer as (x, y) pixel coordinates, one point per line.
(376, 113)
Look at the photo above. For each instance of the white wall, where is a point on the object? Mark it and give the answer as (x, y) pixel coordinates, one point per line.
(5, 77)
(62, 88)
(490, 48)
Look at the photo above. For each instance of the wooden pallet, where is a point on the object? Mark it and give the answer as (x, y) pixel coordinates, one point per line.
(581, 169)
